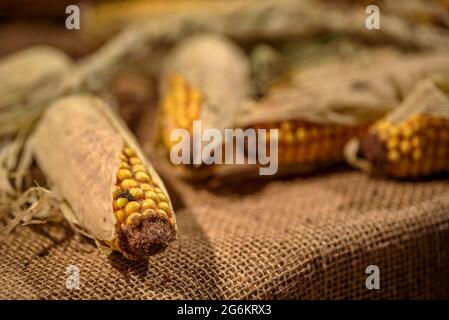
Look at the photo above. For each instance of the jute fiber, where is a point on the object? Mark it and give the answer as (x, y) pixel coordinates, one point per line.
(300, 238)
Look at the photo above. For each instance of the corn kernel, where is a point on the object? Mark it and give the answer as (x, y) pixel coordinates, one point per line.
(148, 204)
(286, 125)
(120, 203)
(119, 215)
(392, 143)
(136, 193)
(151, 195)
(138, 168)
(116, 192)
(128, 184)
(162, 197)
(131, 207)
(132, 216)
(134, 161)
(146, 187)
(163, 212)
(123, 174)
(405, 146)
(393, 155)
(142, 176)
(287, 137)
(416, 155)
(164, 206)
(129, 152)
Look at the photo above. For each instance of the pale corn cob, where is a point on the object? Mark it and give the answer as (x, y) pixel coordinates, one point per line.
(115, 194)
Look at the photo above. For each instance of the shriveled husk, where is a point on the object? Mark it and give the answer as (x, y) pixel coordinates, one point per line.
(345, 93)
(26, 77)
(36, 69)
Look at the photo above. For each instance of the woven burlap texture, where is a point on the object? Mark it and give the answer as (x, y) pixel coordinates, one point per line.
(299, 238)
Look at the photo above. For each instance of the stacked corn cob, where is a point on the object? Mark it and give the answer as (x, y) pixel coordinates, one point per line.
(115, 195)
(413, 141)
(307, 143)
(180, 107)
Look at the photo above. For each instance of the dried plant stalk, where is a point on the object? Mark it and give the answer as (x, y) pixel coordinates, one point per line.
(256, 20)
(91, 160)
(412, 141)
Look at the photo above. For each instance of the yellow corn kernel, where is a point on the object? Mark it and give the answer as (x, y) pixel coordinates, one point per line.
(136, 193)
(146, 187)
(124, 158)
(132, 206)
(132, 216)
(405, 146)
(393, 155)
(124, 165)
(142, 177)
(120, 203)
(123, 174)
(119, 215)
(138, 168)
(128, 184)
(286, 125)
(416, 141)
(416, 155)
(287, 137)
(151, 195)
(134, 160)
(115, 193)
(129, 152)
(163, 212)
(162, 197)
(392, 143)
(148, 204)
(164, 206)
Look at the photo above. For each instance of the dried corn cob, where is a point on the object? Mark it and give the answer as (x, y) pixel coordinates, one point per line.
(206, 78)
(93, 162)
(180, 107)
(322, 108)
(306, 143)
(413, 141)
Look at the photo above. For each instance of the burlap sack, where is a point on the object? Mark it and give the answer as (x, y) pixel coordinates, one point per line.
(302, 238)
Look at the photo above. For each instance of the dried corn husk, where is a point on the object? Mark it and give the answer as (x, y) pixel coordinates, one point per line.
(78, 144)
(411, 141)
(35, 70)
(345, 93)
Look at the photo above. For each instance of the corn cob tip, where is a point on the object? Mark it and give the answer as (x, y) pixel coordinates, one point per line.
(373, 149)
(146, 236)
